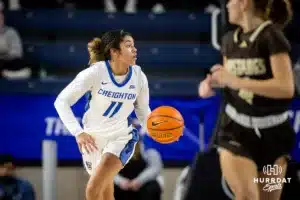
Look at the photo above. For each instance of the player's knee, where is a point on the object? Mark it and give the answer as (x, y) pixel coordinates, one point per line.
(245, 193)
(91, 192)
(94, 190)
(109, 192)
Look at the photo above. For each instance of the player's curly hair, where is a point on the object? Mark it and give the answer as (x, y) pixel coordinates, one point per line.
(99, 48)
(279, 11)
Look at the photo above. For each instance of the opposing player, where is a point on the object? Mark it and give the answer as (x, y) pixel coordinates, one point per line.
(258, 87)
(116, 87)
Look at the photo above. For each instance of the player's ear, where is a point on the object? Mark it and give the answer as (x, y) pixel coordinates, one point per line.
(114, 52)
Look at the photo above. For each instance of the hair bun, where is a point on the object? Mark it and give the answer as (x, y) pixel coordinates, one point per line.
(97, 40)
(95, 45)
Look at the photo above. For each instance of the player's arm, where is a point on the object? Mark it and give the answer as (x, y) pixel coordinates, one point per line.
(70, 95)
(207, 86)
(216, 68)
(142, 109)
(154, 166)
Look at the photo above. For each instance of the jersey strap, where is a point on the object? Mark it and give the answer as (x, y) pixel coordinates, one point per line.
(255, 34)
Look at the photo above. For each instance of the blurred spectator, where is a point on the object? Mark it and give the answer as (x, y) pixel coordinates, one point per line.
(129, 6)
(11, 187)
(191, 5)
(140, 178)
(9, 5)
(29, 4)
(157, 6)
(11, 53)
(160, 6)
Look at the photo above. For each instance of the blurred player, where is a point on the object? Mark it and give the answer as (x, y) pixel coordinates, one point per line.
(258, 88)
(116, 86)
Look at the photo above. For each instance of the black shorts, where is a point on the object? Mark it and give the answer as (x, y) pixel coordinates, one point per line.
(264, 149)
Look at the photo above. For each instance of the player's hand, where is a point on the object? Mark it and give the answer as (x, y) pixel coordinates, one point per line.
(216, 68)
(205, 89)
(222, 77)
(125, 184)
(86, 143)
(135, 185)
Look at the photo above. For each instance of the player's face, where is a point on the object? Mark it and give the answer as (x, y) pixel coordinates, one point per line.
(128, 53)
(235, 10)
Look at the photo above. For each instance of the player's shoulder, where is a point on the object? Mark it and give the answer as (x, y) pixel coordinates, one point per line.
(93, 71)
(274, 39)
(267, 31)
(95, 68)
(98, 66)
(272, 30)
(138, 70)
(271, 27)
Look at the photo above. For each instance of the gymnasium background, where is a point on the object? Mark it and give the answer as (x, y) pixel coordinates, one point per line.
(177, 44)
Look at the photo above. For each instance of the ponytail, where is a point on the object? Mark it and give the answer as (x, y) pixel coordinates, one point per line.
(279, 11)
(99, 48)
(96, 50)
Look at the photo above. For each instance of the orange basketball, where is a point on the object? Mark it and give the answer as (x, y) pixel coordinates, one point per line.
(165, 124)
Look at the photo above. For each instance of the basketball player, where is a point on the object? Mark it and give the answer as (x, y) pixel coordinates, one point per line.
(116, 87)
(258, 87)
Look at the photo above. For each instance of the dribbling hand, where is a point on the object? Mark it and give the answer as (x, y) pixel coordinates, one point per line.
(86, 143)
(205, 89)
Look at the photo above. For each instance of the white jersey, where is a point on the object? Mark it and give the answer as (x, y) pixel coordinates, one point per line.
(112, 99)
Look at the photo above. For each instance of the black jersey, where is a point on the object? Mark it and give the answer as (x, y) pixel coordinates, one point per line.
(248, 56)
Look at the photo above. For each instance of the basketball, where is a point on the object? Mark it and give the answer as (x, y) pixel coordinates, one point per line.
(165, 124)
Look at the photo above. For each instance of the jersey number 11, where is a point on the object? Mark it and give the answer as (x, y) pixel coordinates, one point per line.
(113, 109)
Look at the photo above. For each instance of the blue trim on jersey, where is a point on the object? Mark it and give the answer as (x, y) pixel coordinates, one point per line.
(118, 107)
(113, 78)
(88, 98)
(113, 103)
(129, 120)
(128, 150)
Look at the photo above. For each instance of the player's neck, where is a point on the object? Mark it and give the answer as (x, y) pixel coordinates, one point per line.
(118, 69)
(250, 23)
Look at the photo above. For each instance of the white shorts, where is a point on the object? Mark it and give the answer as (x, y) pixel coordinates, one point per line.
(122, 146)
